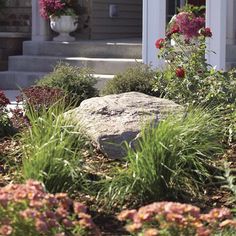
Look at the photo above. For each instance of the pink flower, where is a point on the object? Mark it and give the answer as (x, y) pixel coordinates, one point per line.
(41, 226)
(6, 230)
(79, 207)
(29, 214)
(85, 221)
(127, 214)
(132, 228)
(151, 232)
(67, 223)
(189, 25)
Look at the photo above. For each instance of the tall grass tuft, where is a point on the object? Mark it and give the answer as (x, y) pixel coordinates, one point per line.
(52, 150)
(172, 158)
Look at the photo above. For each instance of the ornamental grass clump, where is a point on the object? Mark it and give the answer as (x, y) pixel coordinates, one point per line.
(27, 209)
(52, 150)
(173, 159)
(174, 219)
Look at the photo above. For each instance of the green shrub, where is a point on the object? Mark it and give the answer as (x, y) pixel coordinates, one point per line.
(52, 150)
(139, 78)
(78, 83)
(172, 158)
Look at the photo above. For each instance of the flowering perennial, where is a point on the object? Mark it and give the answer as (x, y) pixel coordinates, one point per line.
(28, 208)
(175, 219)
(55, 8)
(188, 24)
(40, 97)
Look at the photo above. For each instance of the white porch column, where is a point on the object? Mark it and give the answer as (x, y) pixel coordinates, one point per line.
(231, 22)
(40, 28)
(216, 11)
(154, 23)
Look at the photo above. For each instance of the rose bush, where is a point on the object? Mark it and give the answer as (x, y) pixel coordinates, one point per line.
(187, 78)
(28, 208)
(174, 219)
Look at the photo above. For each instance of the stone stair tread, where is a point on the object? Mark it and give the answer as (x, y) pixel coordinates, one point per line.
(95, 48)
(75, 58)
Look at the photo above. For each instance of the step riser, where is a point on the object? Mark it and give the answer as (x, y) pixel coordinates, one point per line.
(15, 81)
(46, 65)
(82, 49)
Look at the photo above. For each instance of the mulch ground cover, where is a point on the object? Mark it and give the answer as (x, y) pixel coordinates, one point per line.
(98, 165)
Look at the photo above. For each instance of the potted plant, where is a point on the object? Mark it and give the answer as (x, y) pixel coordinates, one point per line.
(63, 17)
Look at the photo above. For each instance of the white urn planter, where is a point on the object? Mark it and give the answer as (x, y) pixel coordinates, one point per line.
(64, 25)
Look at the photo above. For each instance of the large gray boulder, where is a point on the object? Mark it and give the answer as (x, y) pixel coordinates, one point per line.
(112, 120)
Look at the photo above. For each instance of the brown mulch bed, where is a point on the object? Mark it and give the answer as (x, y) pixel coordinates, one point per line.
(100, 166)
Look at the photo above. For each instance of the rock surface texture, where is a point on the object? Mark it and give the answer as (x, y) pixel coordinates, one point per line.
(112, 120)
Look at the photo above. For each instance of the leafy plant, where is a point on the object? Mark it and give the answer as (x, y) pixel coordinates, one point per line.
(57, 8)
(196, 10)
(171, 159)
(188, 79)
(139, 78)
(77, 83)
(29, 209)
(40, 98)
(5, 123)
(174, 219)
(52, 150)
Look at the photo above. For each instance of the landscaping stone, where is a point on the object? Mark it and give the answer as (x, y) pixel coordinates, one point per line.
(112, 120)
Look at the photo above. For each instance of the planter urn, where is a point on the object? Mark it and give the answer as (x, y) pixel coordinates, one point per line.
(64, 25)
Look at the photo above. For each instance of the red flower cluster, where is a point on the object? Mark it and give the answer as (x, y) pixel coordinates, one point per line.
(183, 218)
(50, 7)
(180, 72)
(160, 43)
(206, 32)
(28, 206)
(173, 30)
(189, 25)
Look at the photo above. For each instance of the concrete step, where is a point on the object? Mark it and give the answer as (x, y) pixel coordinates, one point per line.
(95, 49)
(15, 80)
(46, 64)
